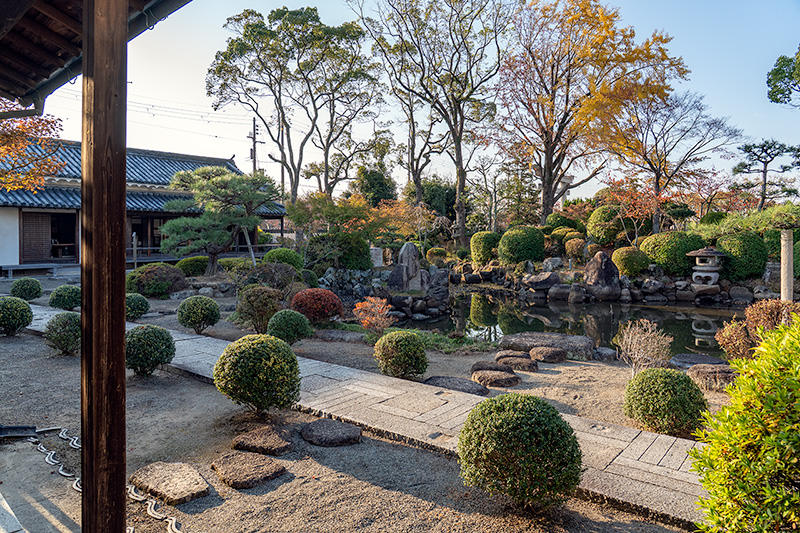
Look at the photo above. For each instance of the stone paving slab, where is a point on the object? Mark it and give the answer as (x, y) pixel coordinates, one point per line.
(8, 521)
(635, 470)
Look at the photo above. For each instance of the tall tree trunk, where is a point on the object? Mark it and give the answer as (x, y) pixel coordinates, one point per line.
(657, 211)
(763, 198)
(547, 200)
(461, 182)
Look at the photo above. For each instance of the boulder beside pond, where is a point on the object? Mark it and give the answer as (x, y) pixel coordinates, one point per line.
(578, 347)
(495, 378)
(712, 377)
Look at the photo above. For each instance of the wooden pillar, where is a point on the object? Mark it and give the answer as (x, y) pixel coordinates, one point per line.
(103, 265)
(787, 265)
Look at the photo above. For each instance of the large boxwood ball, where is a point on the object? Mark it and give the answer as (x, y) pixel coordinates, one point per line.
(256, 306)
(285, 256)
(259, 371)
(147, 347)
(665, 400)
(747, 255)
(198, 312)
(630, 260)
(521, 243)
(518, 445)
(193, 266)
(15, 315)
(289, 325)
(66, 297)
(136, 305)
(63, 333)
(157, 280)
(401, 354)
(481, 245)
(668, 250)
(557, 219)
(604, 224)
(26, 288)
(318, 305)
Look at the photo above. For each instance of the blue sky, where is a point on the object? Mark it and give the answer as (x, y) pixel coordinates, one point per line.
(729, 46)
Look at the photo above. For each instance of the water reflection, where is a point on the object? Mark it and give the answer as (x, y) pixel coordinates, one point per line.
(490, 317)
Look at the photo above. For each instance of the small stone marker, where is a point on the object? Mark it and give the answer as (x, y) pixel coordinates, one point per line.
(245, 470)
(494, 378)
(548, 355)
(267, 440)
(459, 384)
(490, 365)
(712, 377)
(175, 483)
(511, 353)
(520, 363)
(328, 432)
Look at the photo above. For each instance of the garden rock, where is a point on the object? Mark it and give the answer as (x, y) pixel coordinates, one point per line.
(459, 384)
(602, 353)
(741, 294)
(524, 364)
(267, 440)
(472, 278)
(684, 296)
(494, 378)
(575, 294)
(341, 335)
(559, 292)
(651, 286)
(206, 291)
(182, 295)
(419, 306)
(688, 360)
(398, 279)
(578, 347)
(625, 296)
(419, 317)
(705, 290)
(552, 263)
(542, 281)
(511, 353)
(490, 365)
(327, 432)
(548, 355)
(245, 470)
(712, 377)
(763, 293)
(602, 278)
(455, 278)
(175, 483)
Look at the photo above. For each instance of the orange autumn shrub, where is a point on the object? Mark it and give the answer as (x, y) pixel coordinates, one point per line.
(373, 313)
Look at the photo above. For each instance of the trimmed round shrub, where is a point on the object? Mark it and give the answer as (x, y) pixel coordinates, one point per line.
(518, 445)
(256, 306)
(401, 354)
(560, 232)
(574, 248)
(193, 266)
(259, 371)
(136, 305)
(630, 260)
(230, 264)
(63, 333)
(604, 224)
(713, 217)
(147, 347)
(572, 235)
(463, 253)
(480, 311)
(66, 297)
(481, 245)
(556, 220)
(26, 288)
(198, 312)
(747, 255)
(310, 278)
(592, 249)
(157, 280)
(749, 466)
(15, 315)
(290, 326)
(285, 256)
(665, 400)
(668, 250)
(522, 243)
(436, 256)
(546, 229)
(354, 251)
(318, 305)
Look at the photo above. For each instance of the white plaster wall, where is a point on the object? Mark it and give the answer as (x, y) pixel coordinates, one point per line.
(9, 236)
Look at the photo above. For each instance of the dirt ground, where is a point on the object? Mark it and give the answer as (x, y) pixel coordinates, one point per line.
(372, 486)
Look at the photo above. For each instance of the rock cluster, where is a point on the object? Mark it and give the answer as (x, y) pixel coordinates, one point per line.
(358, 283)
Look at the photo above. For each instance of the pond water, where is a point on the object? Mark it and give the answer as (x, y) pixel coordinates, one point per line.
(489, 317)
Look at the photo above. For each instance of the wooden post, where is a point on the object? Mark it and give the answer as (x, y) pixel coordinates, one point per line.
(787, 265)
(103, 265)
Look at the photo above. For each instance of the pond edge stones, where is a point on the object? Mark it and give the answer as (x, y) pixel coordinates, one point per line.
(577, 347)
(328, 432)
(175, 483)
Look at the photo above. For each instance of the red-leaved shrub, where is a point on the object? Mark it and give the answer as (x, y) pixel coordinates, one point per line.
(318, 305)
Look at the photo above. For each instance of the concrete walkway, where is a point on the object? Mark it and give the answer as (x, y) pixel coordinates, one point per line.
(635, 470)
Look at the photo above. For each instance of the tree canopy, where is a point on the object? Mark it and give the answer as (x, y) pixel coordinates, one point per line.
(772, 184)
(28, 149)
(783, 81)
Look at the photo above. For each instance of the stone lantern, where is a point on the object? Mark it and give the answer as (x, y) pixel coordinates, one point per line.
(705, 272)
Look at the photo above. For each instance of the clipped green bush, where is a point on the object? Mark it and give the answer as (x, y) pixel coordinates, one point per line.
(198, 312)
(285, 256)
(436, 256)
(66, 297)
(289, 326)
(147, 347)
(560, 232)
(604, 224)
(572, 235)
(480, 311)
(772, 241)
(747, 255)
(354, 251)
(522, 243)
(229, 264)
(713, 217)
(318, 305)
(157, 280)
(481, 245)
(193, 266)
(518, 445)
(546, 229)
(556, 220)
(668, 250)
(630, 260)
(592, 249)
(15, 315)
(136, 305)
(574, 248)
(259, 371)
(256, 306)
(310, 278)
(665, 400)
(26, 288)
(63, 333)
(464, 254)
(750, 465)
(401, 354)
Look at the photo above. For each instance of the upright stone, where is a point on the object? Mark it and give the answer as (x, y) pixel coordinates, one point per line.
(376, 254)
(602, 278)
(406, 274)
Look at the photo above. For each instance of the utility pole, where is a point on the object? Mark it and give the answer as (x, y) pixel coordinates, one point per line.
(280, 137)
(254, 135)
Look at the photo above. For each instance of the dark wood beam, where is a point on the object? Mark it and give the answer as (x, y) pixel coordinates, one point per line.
(138, 5)
(39, 53)
(11, 12)
(59, 16)
(103, 265)
(20, 66)
(23, 82)
(49, 35)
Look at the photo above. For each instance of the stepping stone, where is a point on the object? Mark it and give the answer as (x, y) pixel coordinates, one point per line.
(511, 353)
(548, 355)
(490, 365)
(339, 335)
(459, 384)
(267, 440)
(688, 360)
(712, 377)
(245, 470)
(494, 378)
(328, 432)
(605, 354)
(520, 363)
(175, 483)
(578, 347)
